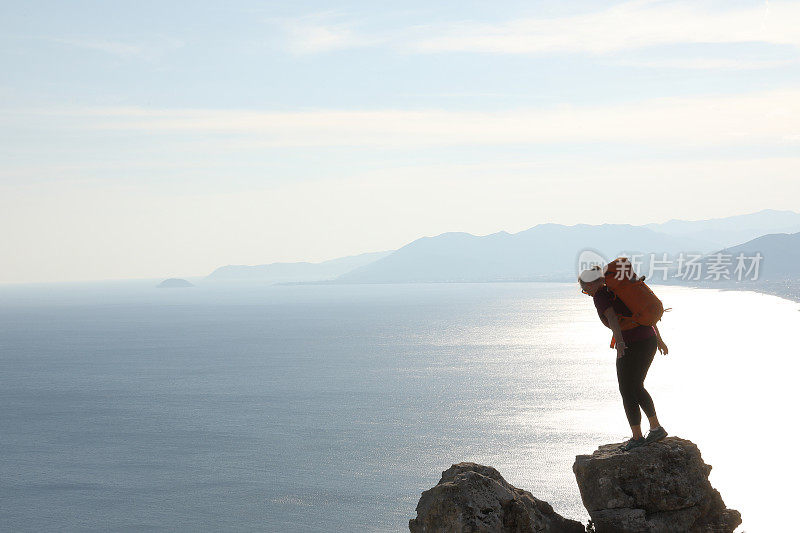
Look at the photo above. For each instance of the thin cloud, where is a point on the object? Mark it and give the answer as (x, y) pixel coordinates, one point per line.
(116, 48)
(629, 26)
(624, 26)
(768, 117)
(706, 63)
(323, 32)
(149, 50)
(316, 38)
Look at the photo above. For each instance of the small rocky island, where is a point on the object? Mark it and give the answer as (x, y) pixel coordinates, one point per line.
(659, 488)
(174, 283)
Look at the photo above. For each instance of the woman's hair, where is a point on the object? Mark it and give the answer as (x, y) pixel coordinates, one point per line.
(589, 275)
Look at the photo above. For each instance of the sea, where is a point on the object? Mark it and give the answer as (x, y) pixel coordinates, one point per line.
(331, 408)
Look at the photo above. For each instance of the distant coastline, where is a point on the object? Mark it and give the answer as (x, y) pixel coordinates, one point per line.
(786, 289)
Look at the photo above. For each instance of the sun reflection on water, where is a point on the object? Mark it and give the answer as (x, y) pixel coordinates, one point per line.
(727, 384)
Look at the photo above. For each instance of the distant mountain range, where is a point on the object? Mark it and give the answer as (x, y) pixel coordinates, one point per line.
(293, 272)
(780, 252)
(546, 252)
(550, 251)
(718, 233)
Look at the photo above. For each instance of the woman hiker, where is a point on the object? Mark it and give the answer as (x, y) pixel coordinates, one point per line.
(636, 348)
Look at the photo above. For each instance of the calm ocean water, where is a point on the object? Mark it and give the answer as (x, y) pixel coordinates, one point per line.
(331, 408)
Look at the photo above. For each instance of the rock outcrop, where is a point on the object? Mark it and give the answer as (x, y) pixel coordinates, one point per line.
(472, 498)
(661, 487)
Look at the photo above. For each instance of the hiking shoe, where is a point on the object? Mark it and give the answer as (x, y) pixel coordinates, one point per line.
(633, 443)
(655, 435)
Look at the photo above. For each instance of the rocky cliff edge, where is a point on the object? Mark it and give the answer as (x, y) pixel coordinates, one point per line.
(661, 487)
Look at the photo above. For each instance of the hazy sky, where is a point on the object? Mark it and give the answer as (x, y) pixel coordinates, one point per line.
(157, 139)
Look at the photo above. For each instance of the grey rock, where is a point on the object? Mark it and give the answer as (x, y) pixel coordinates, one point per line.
(661, 487)
(472, 498)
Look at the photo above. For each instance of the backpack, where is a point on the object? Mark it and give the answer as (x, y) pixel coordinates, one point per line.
(647, 309)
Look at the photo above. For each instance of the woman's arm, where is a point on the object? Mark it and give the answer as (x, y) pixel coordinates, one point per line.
(613, 323)
(662, 347)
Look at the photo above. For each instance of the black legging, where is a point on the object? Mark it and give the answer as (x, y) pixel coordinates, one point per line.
(631, 370)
